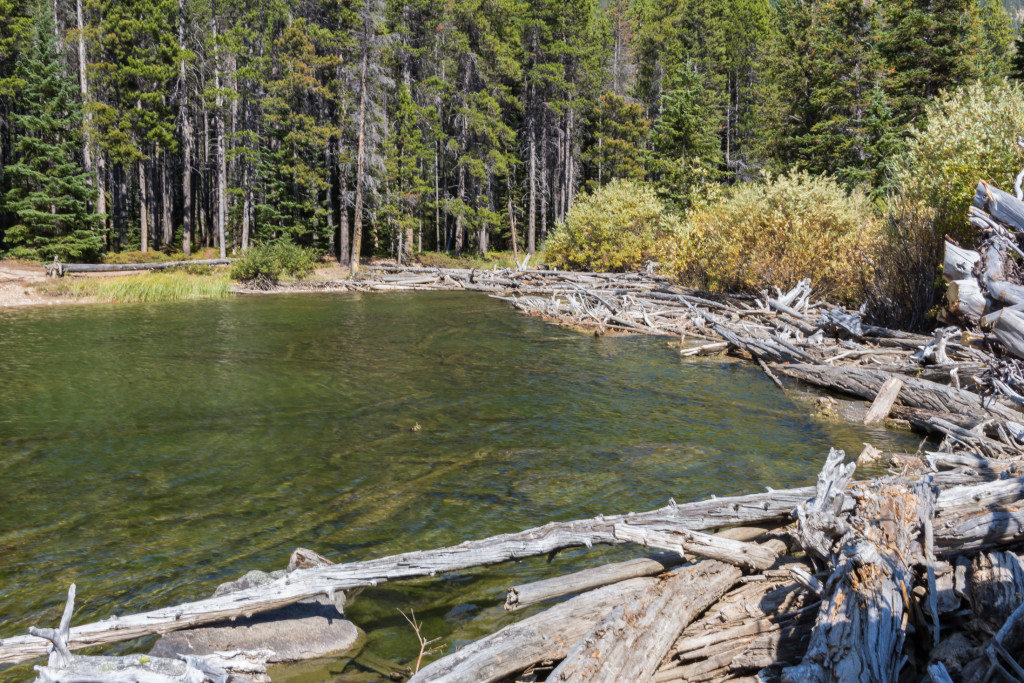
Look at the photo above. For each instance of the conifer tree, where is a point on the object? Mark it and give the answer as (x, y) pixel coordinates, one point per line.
(47, 190)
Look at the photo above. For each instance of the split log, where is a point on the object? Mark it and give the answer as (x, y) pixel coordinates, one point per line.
(682, 540)
(819, 518)
(1008, 327)
(518, 597)
(545, 636)
(630, 642)
(309, 583)
(917, 393)
(882, 404)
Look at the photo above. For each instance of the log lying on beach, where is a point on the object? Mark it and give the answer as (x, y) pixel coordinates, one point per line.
(127, 267)
(674, 537)
(631, 641)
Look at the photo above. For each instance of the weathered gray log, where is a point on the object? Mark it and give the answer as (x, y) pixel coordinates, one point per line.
(1008, 327)
(124, 267)
(524, 595)
(819, 518)
(958, 499)
(965, 299)
(218, 667)
(917, 393)
(859, 634)
(1003, 206)
(630, 643)
(958, 263)
(308, 583)
(674, 537)
(960, 533)
(997, 588)
(544, 636)
(882, 404)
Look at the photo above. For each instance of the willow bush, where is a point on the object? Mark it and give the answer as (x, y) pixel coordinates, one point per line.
(619, 227)
(970, 134)
(776, 232)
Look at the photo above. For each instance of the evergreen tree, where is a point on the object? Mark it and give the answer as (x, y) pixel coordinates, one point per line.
(618, 131)
(47, 189)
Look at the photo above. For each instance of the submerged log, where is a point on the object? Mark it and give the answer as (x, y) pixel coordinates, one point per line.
(630, 642)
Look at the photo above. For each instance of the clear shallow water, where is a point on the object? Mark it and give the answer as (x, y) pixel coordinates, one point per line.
(151, 452)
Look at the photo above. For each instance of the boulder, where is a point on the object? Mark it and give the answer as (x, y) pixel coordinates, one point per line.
(306, 630)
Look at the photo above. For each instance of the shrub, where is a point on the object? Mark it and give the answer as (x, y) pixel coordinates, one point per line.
(295, 260)
(970, 134)
(776, 232)
(266, 263)
(619, 227)
(151, 256)
(257, 264)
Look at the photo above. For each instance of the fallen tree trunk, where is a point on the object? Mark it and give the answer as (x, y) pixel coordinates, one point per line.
(518, 597)
(309, 583)
(125, 267)
(673, 537)
(545, 636)
(916, 393)
(630, 642)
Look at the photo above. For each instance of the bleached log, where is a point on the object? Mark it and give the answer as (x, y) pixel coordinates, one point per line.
(309, 583)
(965, 298)
(917, 393)
(1003, 206)
(819, 518)
(958, 263)
(1008, 327)
(679, 539)
(630, 643)
(518, 597)
(882, 404)
(545, 636)
(859, 631)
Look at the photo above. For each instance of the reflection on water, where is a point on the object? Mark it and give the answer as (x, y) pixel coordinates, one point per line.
(150, 452)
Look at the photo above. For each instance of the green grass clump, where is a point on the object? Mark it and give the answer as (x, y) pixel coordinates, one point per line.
(148, 287)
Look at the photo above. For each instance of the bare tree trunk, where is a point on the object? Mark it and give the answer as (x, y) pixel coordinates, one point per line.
(221, 146)
(165, 204)
(437, 199)
(143, 200)
(531, 239)
(512, 217)
(357, 232)
(343, 234)
(186, 140)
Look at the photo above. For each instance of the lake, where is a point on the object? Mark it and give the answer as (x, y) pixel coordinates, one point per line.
(150, 452)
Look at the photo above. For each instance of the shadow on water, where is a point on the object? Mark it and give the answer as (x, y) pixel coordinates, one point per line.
(150, 452)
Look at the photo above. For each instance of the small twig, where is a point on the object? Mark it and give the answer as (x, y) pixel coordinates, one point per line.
(425, 644)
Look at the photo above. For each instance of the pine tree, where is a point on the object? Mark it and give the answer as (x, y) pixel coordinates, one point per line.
(48, 191)
(618, 131)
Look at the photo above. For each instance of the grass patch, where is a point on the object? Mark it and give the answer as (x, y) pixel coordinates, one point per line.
(148, 287)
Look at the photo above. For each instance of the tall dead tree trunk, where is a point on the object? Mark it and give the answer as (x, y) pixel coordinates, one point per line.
(221, 147)
(357, 232)
(186, 139)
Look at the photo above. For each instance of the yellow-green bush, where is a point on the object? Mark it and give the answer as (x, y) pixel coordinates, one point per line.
(970, 135)
(619, 227)
(776, 232)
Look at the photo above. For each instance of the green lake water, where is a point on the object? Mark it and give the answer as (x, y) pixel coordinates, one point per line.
(151, 452)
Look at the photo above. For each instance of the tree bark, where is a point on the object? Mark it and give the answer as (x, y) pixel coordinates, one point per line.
(357, 232)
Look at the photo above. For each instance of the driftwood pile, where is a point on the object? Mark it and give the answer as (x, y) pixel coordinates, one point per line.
(914, 576)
